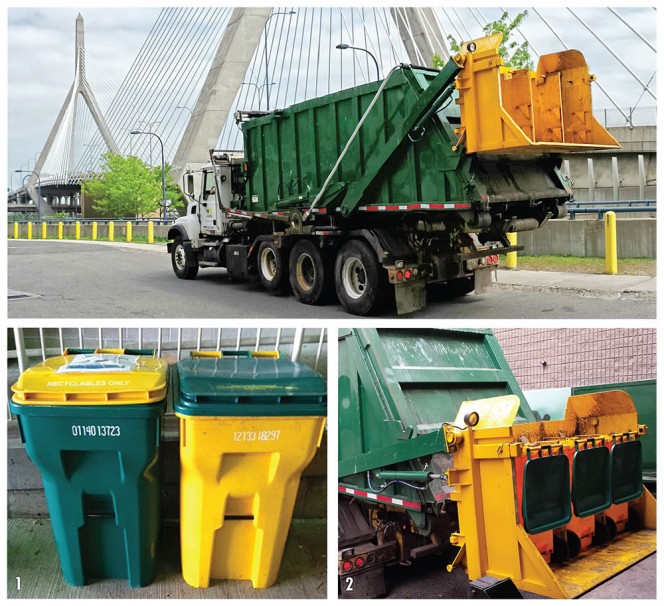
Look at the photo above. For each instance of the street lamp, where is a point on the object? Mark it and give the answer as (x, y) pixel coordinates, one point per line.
(191, 111)
(258, 88)
(347, 46)
(267, 75)
(150, 127)
(39, 196)
(163, 169)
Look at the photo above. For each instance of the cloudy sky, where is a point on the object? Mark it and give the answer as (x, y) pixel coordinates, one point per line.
(40, 57)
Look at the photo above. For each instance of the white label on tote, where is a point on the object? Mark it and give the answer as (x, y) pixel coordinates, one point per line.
(94, 431)
(256, 436)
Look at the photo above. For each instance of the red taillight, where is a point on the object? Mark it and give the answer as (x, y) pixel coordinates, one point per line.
(408, 274)
(359, 562)
(391, 276)
(399, 275)
(488, 260)
(495, 258)
(347, 565)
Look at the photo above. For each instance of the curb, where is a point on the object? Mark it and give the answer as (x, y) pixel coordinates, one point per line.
(628, 295)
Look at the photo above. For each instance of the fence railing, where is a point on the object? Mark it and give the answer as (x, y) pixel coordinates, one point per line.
(618, 206)
(28, 346)
(627, 116)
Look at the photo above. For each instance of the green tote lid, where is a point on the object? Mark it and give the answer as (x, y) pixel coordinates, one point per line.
(251, 384)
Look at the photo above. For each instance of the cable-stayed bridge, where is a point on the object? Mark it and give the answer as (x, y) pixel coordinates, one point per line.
(199, 65)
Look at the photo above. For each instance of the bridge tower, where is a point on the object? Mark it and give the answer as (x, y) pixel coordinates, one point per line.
(79, 86)
(229, 66)
(421, 38)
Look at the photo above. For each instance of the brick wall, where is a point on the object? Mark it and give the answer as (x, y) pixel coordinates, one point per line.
(578, 356)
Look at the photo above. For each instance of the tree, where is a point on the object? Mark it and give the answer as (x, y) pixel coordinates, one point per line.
(126, 187)
(513, 54)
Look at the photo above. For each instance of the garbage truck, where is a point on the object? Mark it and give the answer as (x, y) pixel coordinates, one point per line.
(440, 454)
(372, 193)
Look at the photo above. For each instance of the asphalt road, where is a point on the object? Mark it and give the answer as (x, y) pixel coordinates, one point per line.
(85, 280)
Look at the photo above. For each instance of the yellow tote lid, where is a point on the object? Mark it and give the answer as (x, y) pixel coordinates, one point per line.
(99, 377)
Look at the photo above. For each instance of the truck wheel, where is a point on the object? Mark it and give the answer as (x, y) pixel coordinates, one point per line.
(310, 273)
(272, 267)
(185, 264)
(361, 282)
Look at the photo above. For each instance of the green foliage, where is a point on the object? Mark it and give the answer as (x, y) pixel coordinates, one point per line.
(513, 54)
(126, 187)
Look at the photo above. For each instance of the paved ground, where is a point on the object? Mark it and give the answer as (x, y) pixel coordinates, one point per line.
(96, 280)
(31, 555)
(427, 579)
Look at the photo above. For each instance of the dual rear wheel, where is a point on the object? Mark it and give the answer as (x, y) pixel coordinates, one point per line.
(315, 274)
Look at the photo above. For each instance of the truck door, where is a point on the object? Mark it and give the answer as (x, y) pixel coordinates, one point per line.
(208, 208)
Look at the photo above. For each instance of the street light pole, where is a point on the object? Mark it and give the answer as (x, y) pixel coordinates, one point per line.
(150, 127)
(163, 167)
(39, 196)
(267, 73)
(347, 46)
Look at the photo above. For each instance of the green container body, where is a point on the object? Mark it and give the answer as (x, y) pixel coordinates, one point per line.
(644, 395)
(241, 386)
(291, 152)
(99, 461)
(102, 491)
(398, 386)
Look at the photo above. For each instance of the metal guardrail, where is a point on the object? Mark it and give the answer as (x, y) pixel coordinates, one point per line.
(617, 206)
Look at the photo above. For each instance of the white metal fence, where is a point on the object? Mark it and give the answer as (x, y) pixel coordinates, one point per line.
(29, 346)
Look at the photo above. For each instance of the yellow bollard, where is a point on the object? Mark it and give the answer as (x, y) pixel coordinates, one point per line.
(111, 231)
(15, 230)
(61, 228)
(78, 230)
(94, 230)
(43, 230)
(128, 231)
(150, 232)
(29, 230)
(611, 243)
(510, 258)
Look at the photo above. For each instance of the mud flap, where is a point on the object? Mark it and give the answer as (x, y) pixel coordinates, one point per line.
(483, 280)
(409, 297)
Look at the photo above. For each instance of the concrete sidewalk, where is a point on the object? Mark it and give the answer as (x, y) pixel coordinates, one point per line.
(586, 285)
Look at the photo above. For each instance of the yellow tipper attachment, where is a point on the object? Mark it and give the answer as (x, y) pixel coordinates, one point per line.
(557, 506)
(505, 110)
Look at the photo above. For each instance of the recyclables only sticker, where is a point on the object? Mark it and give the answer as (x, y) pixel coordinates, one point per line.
(100, 363)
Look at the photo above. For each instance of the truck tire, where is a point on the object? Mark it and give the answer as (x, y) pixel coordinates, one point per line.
(272, 265)
(185, 264)
(310, 273)
(360, 281)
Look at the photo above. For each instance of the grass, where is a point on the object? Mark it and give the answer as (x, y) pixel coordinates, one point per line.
(585, 265)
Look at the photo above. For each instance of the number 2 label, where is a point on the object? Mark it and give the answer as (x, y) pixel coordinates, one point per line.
(349, 583)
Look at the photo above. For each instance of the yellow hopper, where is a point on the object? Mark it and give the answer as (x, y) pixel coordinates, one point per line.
(517, 111)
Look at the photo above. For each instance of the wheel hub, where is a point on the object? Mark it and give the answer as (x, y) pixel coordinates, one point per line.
(305, 272)
(268, 264)
(354, 277)
(180, 258)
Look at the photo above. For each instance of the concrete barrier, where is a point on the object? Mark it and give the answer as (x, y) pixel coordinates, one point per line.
(636, 238)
